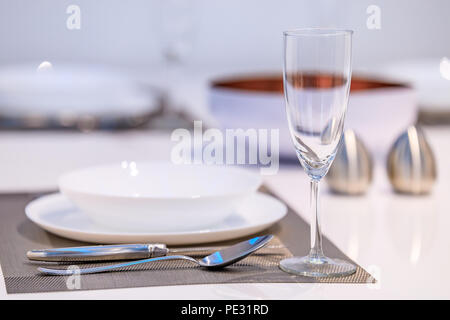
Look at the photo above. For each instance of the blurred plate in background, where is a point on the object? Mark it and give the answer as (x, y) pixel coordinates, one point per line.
(69, 95)
(431, 79)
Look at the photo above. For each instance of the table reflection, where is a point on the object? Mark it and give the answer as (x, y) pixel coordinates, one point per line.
(411, 225)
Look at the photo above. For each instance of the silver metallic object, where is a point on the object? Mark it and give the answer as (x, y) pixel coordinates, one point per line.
(114, 252)
(411, 164)
(352, 169)
(216, 260)
(100, 253)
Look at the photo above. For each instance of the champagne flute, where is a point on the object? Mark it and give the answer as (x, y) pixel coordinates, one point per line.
(316, 76)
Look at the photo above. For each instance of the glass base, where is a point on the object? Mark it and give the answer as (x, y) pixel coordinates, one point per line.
(317, 267)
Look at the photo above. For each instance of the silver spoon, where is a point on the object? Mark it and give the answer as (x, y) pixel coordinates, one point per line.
(216, 260)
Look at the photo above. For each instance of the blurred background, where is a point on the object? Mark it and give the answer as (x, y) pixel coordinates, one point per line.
(215, 34)
(111, 64)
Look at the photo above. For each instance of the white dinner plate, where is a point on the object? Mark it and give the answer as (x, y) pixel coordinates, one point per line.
(56, 214)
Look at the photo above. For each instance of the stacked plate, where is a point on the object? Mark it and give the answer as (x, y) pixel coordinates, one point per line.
(156, 202)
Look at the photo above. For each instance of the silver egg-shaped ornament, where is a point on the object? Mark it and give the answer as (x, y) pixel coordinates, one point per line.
(352, 169)
(411, 164)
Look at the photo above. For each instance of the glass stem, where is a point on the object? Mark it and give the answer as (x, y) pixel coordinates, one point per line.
(316, 253)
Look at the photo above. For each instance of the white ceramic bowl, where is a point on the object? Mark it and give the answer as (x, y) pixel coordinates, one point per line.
(158, 197)
(378, 111)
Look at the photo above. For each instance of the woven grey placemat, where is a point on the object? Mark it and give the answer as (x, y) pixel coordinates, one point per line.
(18, 234)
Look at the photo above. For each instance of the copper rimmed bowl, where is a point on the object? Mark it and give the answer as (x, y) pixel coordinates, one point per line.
(378, 111)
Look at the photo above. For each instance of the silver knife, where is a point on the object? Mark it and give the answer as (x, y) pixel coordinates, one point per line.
(100, 253)
(110, 252)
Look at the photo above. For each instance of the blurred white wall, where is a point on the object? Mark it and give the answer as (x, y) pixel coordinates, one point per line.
(219, 33)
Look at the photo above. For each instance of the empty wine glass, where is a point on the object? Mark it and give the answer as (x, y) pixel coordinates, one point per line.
(316, 76)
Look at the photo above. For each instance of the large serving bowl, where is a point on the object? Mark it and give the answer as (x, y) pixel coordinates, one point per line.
(158, 197)
(378, 111)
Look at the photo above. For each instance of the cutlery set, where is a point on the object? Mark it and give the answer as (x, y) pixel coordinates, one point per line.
(145, 252)
(114, 252)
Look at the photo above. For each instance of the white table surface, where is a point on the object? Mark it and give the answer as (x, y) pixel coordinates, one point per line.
(403, 241)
